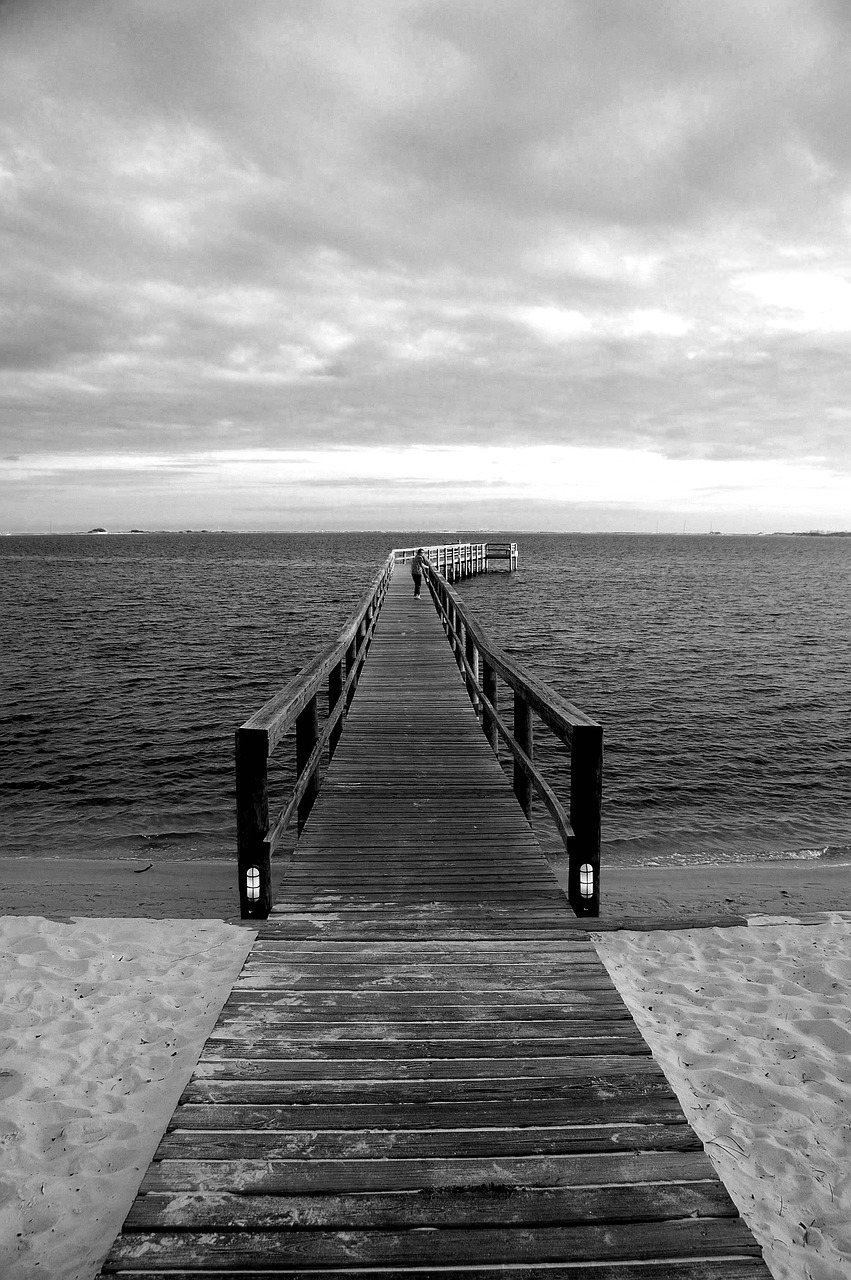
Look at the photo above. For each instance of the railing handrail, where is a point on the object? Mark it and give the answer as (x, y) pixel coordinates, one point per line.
(403, 554)
(561, 716)
(279, 714)
(580, 828)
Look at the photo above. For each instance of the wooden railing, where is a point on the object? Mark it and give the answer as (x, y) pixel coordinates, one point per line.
(336, 669)
(481, 662)
(460, 560)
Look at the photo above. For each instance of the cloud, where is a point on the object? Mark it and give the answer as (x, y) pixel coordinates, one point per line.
(592, 224)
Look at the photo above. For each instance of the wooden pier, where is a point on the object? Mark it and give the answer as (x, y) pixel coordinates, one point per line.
(423, 1068)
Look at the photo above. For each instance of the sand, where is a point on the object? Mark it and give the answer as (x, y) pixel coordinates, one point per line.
(107, 1003)
(102, 1022)
(752, 1027)
(203, 890)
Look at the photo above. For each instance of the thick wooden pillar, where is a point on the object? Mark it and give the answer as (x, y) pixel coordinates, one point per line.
(586, 801)
(254, 867)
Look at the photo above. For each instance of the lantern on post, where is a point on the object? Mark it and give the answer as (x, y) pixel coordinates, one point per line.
(252, 884)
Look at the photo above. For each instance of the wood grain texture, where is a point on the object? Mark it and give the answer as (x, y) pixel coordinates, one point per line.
(423, 1065)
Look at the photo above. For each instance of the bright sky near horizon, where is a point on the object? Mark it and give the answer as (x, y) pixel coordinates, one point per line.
(573, 264)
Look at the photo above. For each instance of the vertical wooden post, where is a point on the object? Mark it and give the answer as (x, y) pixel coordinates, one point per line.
(335, 688)
(460, 631)
(524, 740)
(367, 627)
(254, 867)
(306, 735)
(586, 801)
(472, 655)
(351, 654)
(489, 689)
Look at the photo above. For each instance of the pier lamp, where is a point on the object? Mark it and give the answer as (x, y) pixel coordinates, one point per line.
(586, 880)
(252, 884)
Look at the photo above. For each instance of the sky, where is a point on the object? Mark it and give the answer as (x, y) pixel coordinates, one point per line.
(576, 264)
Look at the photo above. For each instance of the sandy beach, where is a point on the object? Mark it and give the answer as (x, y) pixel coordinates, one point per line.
(102, 1022)
(753, 1030)
(113, 978)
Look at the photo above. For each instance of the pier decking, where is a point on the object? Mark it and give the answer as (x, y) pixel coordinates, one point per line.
(423, 1067)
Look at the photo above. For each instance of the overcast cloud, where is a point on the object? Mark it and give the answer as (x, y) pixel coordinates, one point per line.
(232, 235)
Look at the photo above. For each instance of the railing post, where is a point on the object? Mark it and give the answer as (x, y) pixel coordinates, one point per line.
(254, 866)
(523, 738)
(586, 800)
(472, 655)
(335, 688)
(351, 655)
(306, 735)
(489, 689)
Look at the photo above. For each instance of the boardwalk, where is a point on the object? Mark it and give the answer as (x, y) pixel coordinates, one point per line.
(423, 1065)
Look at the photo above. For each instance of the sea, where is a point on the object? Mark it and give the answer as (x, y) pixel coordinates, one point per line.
(720, 668)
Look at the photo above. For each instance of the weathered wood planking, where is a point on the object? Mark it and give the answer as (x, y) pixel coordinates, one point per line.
(423, 1065)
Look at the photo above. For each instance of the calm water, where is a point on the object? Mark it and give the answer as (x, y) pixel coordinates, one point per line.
(720, 667)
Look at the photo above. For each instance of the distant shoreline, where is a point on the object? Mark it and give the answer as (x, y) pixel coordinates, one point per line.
(342, 533)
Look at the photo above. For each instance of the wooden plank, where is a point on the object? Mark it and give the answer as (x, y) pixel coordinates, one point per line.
(647, 1081)
(629, 1242)
(749, 1268)
(383, 1029)
(259, 1177)
(680, 1269)
(457, 1207)
(375, 1144)
(451, 1006)
(582, 1108)
(323, 1067)
(434, 1047)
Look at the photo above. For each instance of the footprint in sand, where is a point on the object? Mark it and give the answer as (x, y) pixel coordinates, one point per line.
(10, 1083)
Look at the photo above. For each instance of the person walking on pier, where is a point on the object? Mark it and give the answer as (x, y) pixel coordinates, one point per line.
(417, 571)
